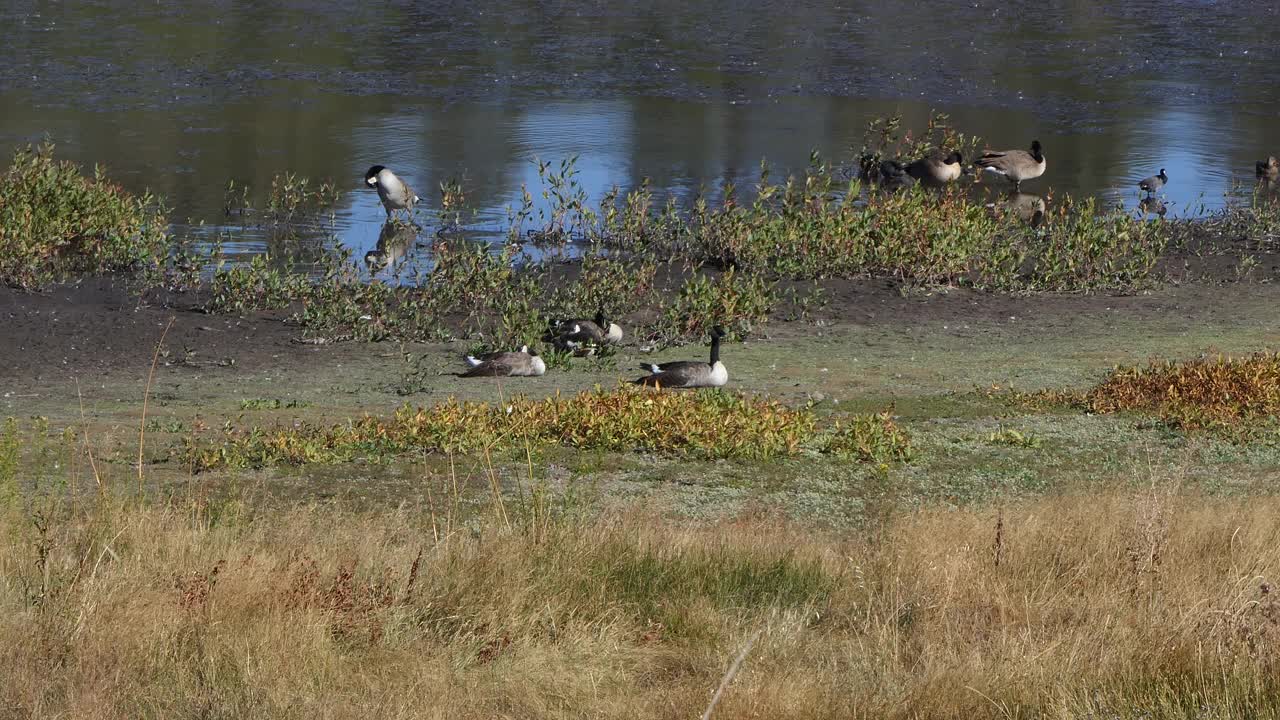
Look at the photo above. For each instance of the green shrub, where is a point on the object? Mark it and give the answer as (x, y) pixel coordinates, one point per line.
(55, 222)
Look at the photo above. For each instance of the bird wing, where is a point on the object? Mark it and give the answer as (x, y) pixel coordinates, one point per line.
(499, 364)
(677, 374)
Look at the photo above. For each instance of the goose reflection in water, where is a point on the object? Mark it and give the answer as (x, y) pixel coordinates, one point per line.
(1151, 205)
(394, 241)
(1027, 207)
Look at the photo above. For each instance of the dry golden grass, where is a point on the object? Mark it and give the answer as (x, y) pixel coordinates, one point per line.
(1086, 606)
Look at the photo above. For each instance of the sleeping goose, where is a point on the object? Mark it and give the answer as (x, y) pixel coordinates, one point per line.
(1268, 169)
(1017, 165)
(1153, 184)
(522, 363)
(689, 373)
(393, 192)
(575, 334)
(936, 170)
(894, 176)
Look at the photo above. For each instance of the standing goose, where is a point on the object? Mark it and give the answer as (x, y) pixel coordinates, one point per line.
(935, 170)
(1153, 184)
(1016, 165)
(1268, 169)
(575, 334)
(689, 373)
(522, 363)
(393, 192)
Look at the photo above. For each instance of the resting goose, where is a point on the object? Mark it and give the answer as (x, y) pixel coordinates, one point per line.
(894, 176)
(936, 170)
(1016, 165)
(689, 373)
(522, 363)
(393, 192)
(1153, 184)
(575, 334)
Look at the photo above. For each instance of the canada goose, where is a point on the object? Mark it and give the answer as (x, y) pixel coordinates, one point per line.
(885, 174)
(522, 363)
(1017, 165)
(936, 170)
(1028, 207)
(1268, 169)
(394, 241)
(1153, 184)
(393, 192)
(574, 334)
(689, 373)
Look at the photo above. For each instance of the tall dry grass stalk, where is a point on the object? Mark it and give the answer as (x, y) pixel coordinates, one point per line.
(1107, 605)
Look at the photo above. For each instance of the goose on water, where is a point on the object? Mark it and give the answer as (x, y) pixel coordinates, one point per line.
(689, 373)
(1016, 165)
(521, 363)
(392, 191)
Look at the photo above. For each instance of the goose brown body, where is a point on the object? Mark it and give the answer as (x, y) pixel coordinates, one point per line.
(689, 373)
(521, 363)
(936, 170)
(1016, 165)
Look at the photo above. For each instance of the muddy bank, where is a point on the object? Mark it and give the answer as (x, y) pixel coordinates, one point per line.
(98, 331)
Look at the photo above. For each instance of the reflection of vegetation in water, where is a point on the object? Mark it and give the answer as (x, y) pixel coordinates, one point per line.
(707, 264)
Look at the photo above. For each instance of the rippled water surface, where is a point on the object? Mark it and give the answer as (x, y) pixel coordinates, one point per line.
(180, 100)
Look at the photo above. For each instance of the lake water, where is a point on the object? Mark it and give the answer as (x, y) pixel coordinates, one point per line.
(179, 99)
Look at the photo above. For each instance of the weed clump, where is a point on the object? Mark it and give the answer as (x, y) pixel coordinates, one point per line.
(55, 222)
(703, 424)
(1238, 396)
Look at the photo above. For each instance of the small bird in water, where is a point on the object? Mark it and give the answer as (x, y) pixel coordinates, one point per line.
(1153, 184)
(577, 335)
(689, 373)
(521, 363)
(1016, 165)
(393, 191)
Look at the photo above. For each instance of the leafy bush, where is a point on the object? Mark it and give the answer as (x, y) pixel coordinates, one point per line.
(55, 222)
(1217, 393)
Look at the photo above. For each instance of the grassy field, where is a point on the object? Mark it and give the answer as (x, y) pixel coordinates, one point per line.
(1027, 560)
(917, 498)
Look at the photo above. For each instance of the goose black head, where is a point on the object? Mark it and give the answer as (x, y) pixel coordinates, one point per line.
(600, 320)
(371, 177)
(1163, 176)
(1036, 149)
(717, 332)
(955, 158)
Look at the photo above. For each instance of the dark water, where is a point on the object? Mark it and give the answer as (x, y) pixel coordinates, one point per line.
(179, 100)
